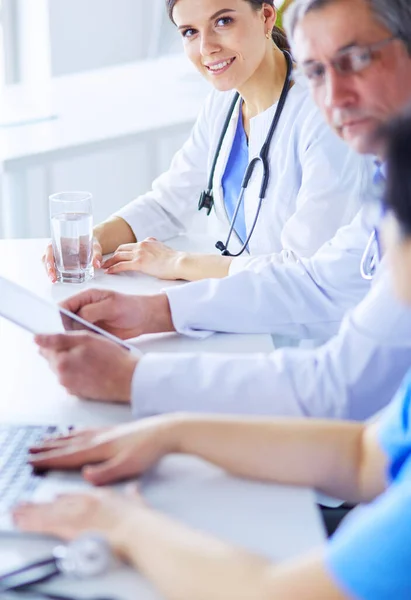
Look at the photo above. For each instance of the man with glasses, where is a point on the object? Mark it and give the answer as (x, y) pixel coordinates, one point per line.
(356, 57)
(347, 61)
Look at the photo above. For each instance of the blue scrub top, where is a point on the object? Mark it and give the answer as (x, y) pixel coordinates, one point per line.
(370, 556)
(233, 177)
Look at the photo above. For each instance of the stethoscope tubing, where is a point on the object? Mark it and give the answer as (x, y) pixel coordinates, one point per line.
(370, 258)
(29, 568)
(263, 158)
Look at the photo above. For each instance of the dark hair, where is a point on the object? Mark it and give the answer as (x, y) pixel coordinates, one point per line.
(396, 137)
(279, 37)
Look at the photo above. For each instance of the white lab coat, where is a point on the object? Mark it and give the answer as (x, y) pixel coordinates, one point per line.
(351, 377)
(305, 299)
(315, 187)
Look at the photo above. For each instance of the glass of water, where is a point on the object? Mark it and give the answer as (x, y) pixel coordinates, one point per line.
(72, 236)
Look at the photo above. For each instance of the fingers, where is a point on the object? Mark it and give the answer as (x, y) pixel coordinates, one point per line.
(50, 265)
(35, 519)
(118, 257)
(77, 302)
(118, 468)
(60, 342)
(121, 267)
(97, 254)
(133, 254)
(98, 312)
(66, 517)
(51, 358)
(74, 456)
(48, 446)
(62, 441)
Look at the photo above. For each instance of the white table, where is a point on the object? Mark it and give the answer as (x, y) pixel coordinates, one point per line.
(275, 521)
(20, 262)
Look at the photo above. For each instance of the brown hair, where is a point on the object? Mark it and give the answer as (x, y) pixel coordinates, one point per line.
(278, 35)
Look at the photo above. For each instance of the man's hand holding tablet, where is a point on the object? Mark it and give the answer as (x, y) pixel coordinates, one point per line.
(122, 315)
(90, 366)
(91, 360)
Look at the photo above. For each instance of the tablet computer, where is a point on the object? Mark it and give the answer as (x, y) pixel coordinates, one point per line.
(39, 316)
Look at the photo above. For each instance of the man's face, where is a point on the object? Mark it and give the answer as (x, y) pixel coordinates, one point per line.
(354, 104)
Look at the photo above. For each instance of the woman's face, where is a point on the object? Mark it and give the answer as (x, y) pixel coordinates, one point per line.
(398, 249)
(225, 39)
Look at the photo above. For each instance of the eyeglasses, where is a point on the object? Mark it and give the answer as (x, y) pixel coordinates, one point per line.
(346, 62)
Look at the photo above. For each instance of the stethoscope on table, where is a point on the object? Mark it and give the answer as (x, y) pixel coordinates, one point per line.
(87, 556)
(207, 200)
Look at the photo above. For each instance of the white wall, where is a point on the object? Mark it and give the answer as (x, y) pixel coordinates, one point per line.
(85, 35)
(90, 34)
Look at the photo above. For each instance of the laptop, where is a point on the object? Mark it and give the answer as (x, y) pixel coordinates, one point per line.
(18, 482)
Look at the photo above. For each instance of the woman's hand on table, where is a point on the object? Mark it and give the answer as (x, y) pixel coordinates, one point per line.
(50, 263)
(90, 366)
(158, 260)
(110, 454)
(149, 256)
(71, 515)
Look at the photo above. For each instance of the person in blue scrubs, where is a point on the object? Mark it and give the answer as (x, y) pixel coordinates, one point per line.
(368, 558)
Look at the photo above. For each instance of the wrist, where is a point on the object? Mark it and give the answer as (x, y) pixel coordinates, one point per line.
(113, 232)
(193, 267)
(181, 265)
(179, 427)
(158, 314)
(120, 540)
(172, 433)
(126, 379)
(98, 234)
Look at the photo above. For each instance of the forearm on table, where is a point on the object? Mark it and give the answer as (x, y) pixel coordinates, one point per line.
(193, 267)
(184, 564)
(320, 454)
(112, 233)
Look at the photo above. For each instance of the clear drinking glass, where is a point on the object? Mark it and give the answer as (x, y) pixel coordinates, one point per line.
(71, 218)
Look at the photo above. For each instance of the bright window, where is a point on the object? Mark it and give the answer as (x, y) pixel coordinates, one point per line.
(2, 59)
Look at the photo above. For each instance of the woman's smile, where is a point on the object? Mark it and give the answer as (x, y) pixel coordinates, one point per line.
(217, 68)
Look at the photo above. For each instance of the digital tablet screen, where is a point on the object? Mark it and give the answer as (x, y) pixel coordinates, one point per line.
(40, 316)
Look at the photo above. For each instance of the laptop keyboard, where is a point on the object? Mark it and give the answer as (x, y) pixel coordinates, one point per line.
(17, 479)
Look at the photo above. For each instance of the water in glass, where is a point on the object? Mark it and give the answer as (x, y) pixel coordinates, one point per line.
(72, 236)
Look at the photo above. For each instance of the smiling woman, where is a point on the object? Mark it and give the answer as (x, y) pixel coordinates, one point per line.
(277, 181)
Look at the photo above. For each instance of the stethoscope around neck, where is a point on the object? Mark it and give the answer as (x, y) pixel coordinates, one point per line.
(207, 198)
(373, 252)
(371, 257)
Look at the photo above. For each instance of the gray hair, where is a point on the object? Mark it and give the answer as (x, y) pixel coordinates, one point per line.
(395, 15)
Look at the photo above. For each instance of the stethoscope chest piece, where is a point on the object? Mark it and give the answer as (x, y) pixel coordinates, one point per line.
(87, 556)
(206, 201)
